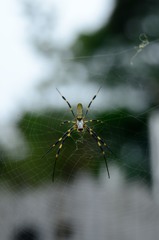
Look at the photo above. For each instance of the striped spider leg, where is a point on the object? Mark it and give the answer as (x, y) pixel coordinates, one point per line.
(64, 122)
(92, 101)
(86, 121)
(70, 107)
(60, 147)
(60, 141)
(100, 142)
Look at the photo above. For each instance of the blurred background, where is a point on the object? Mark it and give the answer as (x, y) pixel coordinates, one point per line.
(78, 47)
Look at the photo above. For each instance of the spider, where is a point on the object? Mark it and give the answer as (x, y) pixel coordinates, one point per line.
(79, 124)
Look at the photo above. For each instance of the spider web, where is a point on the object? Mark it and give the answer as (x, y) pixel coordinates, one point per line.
(80, 166)
(80, 153)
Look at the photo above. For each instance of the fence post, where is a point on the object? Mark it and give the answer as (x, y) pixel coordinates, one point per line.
(154, 152)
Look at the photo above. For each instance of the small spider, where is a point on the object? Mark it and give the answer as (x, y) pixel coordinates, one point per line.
(143, 43)
(80, 125)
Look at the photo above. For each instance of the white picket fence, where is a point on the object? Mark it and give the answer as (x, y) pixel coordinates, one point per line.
(86, 209)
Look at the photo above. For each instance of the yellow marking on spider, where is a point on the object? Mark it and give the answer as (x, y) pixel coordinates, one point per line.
(91, 132)
(68, 135)
(60, 146)
(60, 139)
(99, 138)
(57, 155)
(99, 144)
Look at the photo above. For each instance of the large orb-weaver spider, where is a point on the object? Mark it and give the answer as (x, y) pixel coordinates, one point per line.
(80, 125)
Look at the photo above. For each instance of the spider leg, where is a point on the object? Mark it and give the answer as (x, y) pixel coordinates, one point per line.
(98, 140)
(64, 122)
(93, 120)
(101, 140)
(59, 149)
(92, 101)
(70, 107)
(58, 141)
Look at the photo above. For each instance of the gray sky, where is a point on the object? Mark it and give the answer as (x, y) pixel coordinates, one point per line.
(21, 69)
